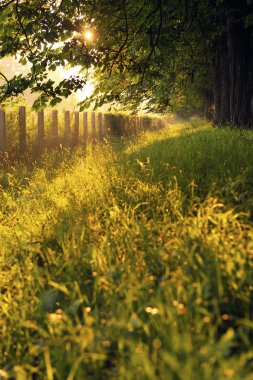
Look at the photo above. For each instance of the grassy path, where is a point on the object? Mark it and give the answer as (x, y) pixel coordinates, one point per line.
(134, 262)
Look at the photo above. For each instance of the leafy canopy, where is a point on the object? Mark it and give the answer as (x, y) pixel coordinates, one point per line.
(149, 52)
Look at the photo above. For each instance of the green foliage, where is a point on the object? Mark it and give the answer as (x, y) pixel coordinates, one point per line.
(133, 261)
(142, 53)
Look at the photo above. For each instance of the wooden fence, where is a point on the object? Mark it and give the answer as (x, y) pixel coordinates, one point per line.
(78, 128)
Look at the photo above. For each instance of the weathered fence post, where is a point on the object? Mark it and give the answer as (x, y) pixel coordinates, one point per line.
(100, 125)
(135, 121)
(22, 129)
(2, 130)
(93, 130)
(93, 126)
(122, 124)
(106, 124)
(85, 129)
(147, 123)
(160, 123)
(115, 124)
(41, 129)
(67, 125)
(131, 125)
(54, 127)
(76, 129)
(157, 123)
(141, 123)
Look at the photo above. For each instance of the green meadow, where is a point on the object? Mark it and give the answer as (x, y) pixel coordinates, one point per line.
(130, 261)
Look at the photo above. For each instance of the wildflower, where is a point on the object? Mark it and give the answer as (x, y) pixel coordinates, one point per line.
(151, 310)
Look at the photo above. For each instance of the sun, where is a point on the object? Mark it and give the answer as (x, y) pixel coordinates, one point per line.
(88, 35)
(86, 92)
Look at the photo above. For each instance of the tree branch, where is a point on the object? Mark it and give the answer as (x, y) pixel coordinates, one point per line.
(156, 41)
(124, 42)
(5, 5)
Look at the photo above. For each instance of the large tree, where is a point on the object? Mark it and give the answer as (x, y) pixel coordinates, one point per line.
(173, 54)
(233, 62)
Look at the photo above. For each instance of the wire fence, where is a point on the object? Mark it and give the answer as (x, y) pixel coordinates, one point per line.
(24, 129)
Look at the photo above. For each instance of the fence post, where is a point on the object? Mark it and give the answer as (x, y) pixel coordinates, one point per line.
(131, 125)
(54, 127)
(85, 128)
(100, 125)
(106, 124)
(41, 129)
(142, 123)
(67, 125)
(116, 124)
(135, 123)
(160, 123)
(122, 125)
(93, 126)
(146, 123)
(76, 129)
(2, 130)
(22, 129)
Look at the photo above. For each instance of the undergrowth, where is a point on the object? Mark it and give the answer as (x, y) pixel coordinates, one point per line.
(133, 261)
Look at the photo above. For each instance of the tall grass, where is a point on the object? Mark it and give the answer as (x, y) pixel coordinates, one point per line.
(131, 262)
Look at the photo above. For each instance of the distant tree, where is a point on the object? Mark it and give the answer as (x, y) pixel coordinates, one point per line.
(166, 55)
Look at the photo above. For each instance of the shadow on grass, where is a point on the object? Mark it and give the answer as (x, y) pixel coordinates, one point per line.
(207, 162)
(16, 169)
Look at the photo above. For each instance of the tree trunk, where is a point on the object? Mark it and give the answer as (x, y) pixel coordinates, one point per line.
(208, 104)
(221, 83)
(240, 57)
(233, 65)
(217, 86)
(225, 84)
